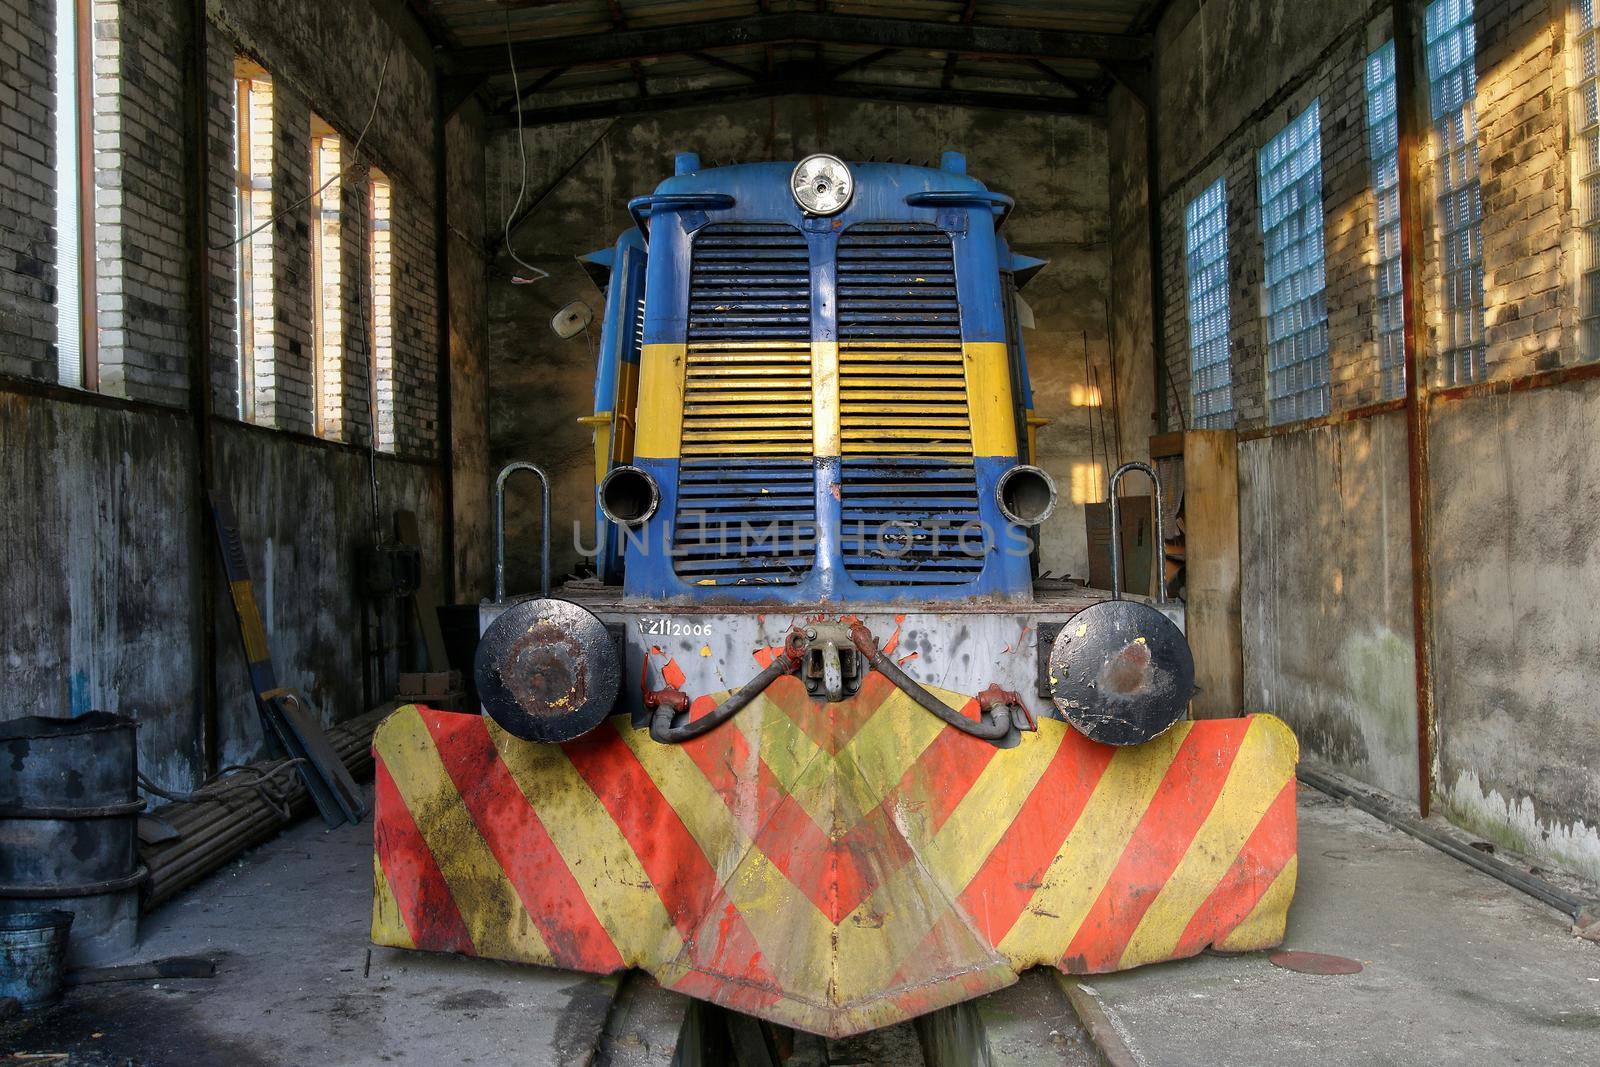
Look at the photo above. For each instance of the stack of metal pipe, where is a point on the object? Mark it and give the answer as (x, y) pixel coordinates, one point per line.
(213, 832)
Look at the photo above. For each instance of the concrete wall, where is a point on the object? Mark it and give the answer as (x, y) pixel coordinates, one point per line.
(1326, 594)
(103, 536)
(1054, 166)
(1516, 562)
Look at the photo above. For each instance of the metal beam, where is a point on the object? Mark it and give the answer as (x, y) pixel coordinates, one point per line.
(896, 94)
(859, 63)
(628, 46)
(1409, 105)
(1071, 85)
(728, 65)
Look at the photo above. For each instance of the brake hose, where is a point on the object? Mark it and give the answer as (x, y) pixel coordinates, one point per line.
(993, 726)
(669, 702)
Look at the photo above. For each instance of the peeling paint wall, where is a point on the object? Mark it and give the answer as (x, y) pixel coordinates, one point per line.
(1326, 594)
(304, 513)
(1516, 563)
(98, 586)
(581, 176)
(469, 377)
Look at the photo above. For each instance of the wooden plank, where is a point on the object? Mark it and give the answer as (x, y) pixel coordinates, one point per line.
(1211, 523)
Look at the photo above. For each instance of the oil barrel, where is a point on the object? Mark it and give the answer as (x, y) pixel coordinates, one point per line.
(69, 807)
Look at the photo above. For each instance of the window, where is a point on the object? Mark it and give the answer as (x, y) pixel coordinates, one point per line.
(1586, 123)
(1452, 92)
(253, 158)
(1205, 228)
(381, 197)
(1290, 174)
(75, 200)
(1383, 146)
(327, 281)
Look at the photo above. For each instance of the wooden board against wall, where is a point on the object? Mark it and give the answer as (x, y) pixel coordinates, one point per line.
(1211, 523)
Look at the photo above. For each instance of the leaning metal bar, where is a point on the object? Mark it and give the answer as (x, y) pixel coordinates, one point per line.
(995, 723)
(500, 528)
(1116, 532)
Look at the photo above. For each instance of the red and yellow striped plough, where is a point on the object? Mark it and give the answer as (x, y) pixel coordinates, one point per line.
(834, 867)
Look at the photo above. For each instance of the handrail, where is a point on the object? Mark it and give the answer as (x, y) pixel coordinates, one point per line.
(1116, 531)
(500, 528)
(998, 202)
(641, 207)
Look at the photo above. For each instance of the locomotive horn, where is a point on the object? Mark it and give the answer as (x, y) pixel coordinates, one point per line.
(1027, 495)
(629, 496)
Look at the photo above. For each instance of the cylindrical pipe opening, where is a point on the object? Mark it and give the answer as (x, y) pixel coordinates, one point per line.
(1027, 495)
(629, 496)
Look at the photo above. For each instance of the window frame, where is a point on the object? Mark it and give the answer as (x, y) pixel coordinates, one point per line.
(85, 281)
(327, 272)
(1299, 372)
(383, 417)
(1584, 116)
(1451, 196)
(248, 215)
(1383, 161)
(1206, 278)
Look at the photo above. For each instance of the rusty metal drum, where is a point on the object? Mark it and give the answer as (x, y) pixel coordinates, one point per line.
(547, 670)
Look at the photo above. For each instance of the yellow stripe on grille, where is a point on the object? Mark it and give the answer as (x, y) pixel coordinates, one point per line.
(747, 398)
(903, 398)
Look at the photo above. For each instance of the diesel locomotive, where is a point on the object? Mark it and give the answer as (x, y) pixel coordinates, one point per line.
(813, 742)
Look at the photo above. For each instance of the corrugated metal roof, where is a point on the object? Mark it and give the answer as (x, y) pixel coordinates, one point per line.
(564, 55)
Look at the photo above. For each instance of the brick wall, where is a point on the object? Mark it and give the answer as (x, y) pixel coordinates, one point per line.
(219, 149)
(27, 196)
(416, 404)
(1530, 313)
(139, 182)
(1335, 80)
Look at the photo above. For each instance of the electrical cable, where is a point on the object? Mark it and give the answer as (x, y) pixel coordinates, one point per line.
(522, 152)
(377, 98)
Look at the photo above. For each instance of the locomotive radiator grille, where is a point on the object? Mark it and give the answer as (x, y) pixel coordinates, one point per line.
(909, 491)
(746, 497)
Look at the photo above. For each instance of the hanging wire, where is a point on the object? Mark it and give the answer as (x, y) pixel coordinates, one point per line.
(522, 152)
(377, 98)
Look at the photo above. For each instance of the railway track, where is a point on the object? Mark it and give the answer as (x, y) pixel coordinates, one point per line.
(1042, 1021)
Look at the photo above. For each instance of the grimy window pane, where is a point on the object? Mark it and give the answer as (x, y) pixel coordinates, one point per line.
(69, 218)
(1205, 226)
(1586, 141)
(1383, 147)
(1290, 173)
(381, 196)
(327, 281)
(1452, 92)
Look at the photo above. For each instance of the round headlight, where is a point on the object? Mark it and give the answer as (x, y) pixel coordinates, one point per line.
(821, 185)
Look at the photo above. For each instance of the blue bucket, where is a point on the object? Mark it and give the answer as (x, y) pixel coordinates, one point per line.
(33, 952)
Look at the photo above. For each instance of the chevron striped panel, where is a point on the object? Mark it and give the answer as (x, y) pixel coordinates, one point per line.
(832, 867)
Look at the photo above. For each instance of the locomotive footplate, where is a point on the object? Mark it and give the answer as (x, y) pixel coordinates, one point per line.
(832, 864)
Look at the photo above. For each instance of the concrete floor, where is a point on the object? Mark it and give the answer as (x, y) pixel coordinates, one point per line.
(1459, 968)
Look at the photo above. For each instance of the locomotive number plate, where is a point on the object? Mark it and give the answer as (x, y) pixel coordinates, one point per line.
(662, 626)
